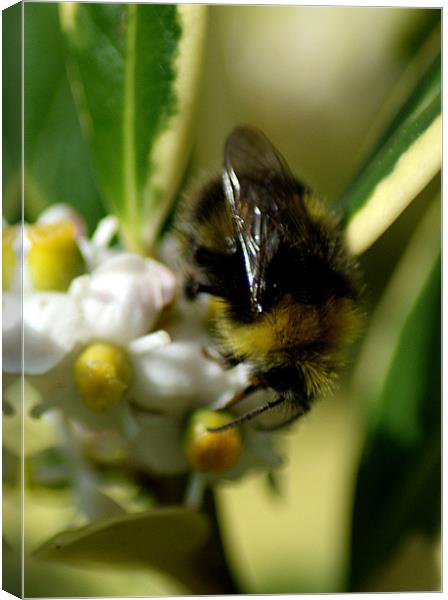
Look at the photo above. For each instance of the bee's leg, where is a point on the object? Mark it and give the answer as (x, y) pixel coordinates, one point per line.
(301, 410)
(251, 414)
(277, 426)
(241, 395)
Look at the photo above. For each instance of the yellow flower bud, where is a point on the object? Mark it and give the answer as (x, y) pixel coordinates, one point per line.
(102, 373)
(210, 451)
(9, 258)
(54, 258)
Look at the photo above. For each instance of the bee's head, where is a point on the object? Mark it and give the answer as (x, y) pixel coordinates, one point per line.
(284, 379)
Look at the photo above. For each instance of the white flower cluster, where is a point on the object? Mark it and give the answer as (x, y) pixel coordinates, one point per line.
(117, 349)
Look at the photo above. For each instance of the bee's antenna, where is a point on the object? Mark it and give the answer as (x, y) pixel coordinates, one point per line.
(248, 416)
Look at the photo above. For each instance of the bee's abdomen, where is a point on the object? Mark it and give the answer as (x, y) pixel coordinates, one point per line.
(290, 330)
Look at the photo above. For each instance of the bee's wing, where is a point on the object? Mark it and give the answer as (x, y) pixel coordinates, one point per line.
(249, 152)
(249, 156)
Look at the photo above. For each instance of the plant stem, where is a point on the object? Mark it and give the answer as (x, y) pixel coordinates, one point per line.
(212, 560)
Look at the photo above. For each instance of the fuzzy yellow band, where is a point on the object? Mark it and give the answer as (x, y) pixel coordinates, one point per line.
(214, 452)
(102, 373)
(54, 258)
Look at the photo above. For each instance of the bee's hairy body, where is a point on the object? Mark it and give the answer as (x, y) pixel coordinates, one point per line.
(307, 288)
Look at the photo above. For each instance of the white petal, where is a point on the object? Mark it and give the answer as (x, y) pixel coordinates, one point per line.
(188, 321)
(55, 384)
(149, 342)
(105, 231)
(170, 251)
(12, 332)
(94, 255)
(53, 325)
(258, 454)
(90, 500)
(151, 271)
(64, 212)
(196, 488)
(65, 395)
(129, 425)
(122, 298)
(37, 433)
(175, 378)
(18, 279)
(158, 448)
(96, 250)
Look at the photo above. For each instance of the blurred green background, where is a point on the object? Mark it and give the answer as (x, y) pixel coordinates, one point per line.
(323, 84)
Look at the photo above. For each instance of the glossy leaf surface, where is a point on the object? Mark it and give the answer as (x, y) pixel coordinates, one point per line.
(398, 487)
(165, 538)
(134, 71)
(57, 164)
(406, 159)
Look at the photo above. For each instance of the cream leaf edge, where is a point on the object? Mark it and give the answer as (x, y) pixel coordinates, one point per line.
(170, 150)
(412, 172)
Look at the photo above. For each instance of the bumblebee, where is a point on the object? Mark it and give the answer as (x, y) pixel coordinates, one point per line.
(286, 293)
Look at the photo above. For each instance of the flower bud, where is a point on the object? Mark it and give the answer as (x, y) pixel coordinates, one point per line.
(64, 212)
(9, 258)
(122, 298)
(54, 257)
(211, 451)
(102, 374)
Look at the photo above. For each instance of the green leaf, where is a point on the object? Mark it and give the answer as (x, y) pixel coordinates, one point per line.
(12, 126)
(166, 538)
(10, 467)
(48, 467)
(398, 489)
(57, 167)
(134, 70)
(406, 159)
